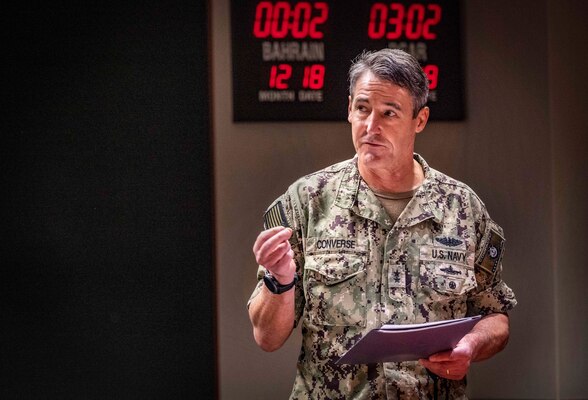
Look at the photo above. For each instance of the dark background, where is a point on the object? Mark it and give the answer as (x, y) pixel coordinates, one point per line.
(106, 212)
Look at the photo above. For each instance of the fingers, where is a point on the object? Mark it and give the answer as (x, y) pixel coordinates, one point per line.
(267, 234)
(451, 364)
(272, 249)
(272, 243)
(454, 370)
(444, 356)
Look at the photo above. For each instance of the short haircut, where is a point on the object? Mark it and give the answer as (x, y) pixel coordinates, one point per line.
(395, 66)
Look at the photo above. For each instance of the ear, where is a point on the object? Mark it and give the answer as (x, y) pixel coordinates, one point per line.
(422, 118)
(349, 109)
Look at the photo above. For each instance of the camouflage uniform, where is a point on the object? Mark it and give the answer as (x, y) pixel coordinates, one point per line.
(359, 270)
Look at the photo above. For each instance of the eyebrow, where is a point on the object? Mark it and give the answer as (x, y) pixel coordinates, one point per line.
(362, 99)
(394, 105)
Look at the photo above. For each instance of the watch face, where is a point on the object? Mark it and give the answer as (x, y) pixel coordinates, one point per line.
(275, 287)
(270, 283)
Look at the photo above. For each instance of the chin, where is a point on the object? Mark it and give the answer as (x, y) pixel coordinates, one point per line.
(371, 159)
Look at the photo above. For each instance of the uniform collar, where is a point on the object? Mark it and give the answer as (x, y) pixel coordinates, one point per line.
(356, 195)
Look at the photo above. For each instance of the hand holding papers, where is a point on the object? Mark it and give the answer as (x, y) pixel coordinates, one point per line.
(396, 343)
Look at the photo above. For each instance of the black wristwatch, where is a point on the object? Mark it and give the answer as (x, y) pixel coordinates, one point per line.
(276, 287)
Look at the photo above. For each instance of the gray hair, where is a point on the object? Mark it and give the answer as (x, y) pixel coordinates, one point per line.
(395, 66)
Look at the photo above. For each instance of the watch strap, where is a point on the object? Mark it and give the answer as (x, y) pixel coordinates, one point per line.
(276, 287)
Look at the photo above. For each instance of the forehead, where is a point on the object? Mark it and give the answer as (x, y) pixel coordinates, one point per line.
(370, 86)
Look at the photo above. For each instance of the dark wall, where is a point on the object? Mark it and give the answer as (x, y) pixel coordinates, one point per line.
(106, 212)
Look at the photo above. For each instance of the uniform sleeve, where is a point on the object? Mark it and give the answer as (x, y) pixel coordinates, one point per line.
(492, 294)
(286, 211)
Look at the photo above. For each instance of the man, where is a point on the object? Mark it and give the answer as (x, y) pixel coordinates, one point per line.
(380, 239)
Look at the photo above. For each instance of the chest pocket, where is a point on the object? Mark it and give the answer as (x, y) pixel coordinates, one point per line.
(336, 287)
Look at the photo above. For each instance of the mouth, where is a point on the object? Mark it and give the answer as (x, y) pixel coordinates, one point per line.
(371, 143)
(372, 140)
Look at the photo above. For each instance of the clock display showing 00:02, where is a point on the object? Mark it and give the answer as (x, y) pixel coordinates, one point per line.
(285, 29)
(301, 20)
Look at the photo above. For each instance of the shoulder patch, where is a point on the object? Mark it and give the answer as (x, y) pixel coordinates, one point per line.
(491, 254)
(275, 216)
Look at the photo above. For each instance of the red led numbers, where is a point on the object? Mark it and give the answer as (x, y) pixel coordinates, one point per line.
(279, 75)
(280, 19)
(432, 72)
(393, 21)
(314, 77)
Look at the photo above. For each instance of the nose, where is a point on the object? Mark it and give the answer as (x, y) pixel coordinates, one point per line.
(373, 123)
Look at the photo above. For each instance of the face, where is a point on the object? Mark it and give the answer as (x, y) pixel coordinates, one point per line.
(382, 125)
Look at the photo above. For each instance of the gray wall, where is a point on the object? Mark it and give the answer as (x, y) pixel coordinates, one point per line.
(521, 148)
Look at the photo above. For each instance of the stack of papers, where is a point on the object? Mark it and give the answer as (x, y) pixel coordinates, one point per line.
(396, 343)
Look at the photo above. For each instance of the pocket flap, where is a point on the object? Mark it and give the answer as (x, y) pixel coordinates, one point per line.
(335, 268)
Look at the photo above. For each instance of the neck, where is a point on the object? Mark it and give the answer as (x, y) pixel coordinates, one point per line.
(402, 178)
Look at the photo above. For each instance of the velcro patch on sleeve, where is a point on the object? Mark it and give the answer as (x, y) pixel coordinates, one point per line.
(275, 216)
(491, 255)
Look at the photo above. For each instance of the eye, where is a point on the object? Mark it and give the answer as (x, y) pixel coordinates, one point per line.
(389, 113)
(361, 108)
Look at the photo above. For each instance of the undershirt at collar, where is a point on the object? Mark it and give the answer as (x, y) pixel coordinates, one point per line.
(395, 203)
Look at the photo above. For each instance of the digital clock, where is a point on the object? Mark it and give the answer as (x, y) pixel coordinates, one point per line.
(290, 58)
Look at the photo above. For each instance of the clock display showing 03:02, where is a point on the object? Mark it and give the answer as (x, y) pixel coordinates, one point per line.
(395, 21)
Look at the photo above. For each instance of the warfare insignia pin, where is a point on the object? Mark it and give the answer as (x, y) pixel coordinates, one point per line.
(449, 270)
(449, 241)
